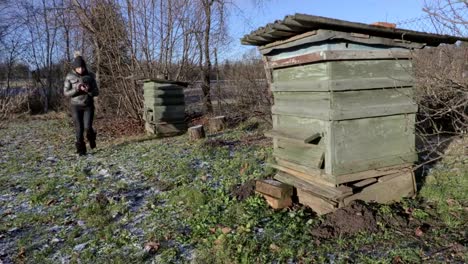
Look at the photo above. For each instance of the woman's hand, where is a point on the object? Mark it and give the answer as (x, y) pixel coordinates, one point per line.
(83, 87)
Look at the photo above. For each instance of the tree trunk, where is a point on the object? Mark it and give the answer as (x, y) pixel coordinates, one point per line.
(208, 107)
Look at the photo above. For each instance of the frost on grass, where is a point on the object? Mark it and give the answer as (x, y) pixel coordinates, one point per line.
(170, 201)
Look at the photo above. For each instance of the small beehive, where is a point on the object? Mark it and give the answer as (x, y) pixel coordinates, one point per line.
(343, 114)
(164, 107)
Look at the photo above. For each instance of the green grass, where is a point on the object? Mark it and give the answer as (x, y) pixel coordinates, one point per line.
(447, 185)
(186, 204)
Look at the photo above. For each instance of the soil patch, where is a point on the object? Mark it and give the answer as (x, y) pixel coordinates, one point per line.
(357, 217)
(242, 192)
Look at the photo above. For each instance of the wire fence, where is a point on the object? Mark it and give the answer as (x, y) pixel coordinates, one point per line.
(448, 21)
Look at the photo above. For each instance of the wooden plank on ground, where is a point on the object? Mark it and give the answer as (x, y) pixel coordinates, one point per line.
(304, 176)
(324, 191)
(319, 205)
(384, 192)
(274, 188)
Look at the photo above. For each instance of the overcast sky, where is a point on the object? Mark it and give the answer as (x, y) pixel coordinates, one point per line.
(246, 17)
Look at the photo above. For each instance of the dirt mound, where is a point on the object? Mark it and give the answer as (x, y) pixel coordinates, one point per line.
(356, 217)
(242, 192)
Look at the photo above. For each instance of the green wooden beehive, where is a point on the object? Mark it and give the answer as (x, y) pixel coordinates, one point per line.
(343, 113)
(164, 107)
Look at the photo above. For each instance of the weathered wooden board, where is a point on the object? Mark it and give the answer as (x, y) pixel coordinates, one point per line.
(310, 72)
(279, 135)
(331, 45)
(339, 55)
(371, 143)
(371, 173)
(152, 90)
(369, 69)
(319, 205)
(303, 154)
(346, 104)
(384, 192)
(166, 113)
(158, 100)
(342, 84)
(293, 46)
(166, 129)
(309, 177)
(328, 192)
(305, 104)
(343, 75)
(274, 188)
(298, 126)
(370, 103)
(364, 183)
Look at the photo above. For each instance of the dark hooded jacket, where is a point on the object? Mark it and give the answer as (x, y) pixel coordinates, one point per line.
(72, 82)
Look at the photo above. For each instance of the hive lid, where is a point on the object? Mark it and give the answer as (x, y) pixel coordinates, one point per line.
(185, 84)
(300, 23)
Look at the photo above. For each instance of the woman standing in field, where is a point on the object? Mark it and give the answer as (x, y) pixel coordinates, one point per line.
(81, 87)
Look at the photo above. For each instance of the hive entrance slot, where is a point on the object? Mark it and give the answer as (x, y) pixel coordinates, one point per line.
(314, 139)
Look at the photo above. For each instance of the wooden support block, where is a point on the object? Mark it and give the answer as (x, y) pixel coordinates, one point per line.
(391, 189)
(274, 188)
(217, 124)
(319, 205)
(276, 203)
(196, 132)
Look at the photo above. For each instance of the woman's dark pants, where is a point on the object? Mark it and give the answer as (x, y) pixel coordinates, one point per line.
(83, 118)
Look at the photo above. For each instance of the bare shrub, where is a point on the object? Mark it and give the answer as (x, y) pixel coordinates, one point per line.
(441, 88)
(11, 104)
(246, 93)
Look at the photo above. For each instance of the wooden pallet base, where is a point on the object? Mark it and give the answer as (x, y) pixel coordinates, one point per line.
(323, 199)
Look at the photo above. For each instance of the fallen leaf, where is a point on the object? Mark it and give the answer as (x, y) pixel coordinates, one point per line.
(397, 260)
(418, 232)
(226, 230)
(218, 241)
(151, 247)
(7, 212)
(274, 247)
(212, 230)
(51, 202)
(244, 168)
(451, 202)
(22, 253)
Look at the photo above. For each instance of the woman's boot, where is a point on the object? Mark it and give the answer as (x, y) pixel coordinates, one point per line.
(91, 136)
(80, 148)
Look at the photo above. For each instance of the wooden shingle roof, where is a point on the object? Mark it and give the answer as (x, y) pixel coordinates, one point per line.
(300, 23)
